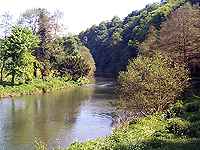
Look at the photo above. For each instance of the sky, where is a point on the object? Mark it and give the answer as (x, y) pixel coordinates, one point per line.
(78, 14)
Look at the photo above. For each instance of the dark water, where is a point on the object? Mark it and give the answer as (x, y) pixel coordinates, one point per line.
(60, 118)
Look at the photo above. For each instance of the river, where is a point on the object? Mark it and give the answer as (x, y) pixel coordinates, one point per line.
(58, 118)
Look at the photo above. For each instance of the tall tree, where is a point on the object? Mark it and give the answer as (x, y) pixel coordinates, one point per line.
(5, 28)
(180, 34)
(31, 18)
(47, 26)
(19, 46)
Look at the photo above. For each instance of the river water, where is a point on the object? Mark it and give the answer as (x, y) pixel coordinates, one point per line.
(58, 118)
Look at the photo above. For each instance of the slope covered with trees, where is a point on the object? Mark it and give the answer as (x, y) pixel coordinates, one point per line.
(113, 43)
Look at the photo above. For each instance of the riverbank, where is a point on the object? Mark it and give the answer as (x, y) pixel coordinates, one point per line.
(39, 86)
(177, 128)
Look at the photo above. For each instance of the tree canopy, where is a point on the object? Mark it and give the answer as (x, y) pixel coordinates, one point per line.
(113, 43)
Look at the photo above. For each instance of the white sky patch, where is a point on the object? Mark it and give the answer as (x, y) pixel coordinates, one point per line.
(78, 14)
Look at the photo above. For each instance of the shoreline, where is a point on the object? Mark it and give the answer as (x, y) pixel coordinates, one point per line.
(157, 131)
(38, 86)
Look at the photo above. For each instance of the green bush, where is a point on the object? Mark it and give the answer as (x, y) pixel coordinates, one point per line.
(151, 84)
(73, 59)
(176, 110)
(86, 55)
(178, 126)
(75, 66)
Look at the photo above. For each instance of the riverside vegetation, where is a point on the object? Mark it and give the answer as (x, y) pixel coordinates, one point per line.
(157, 88)
(35, 59)
(155, 53)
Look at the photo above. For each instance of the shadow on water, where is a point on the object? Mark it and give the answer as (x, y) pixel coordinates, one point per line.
(59, 118)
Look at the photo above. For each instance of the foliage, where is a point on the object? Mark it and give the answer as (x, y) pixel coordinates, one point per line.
(17, 49)
(38, 86)
(39, 145)
(27, 56)
(179, 34)
(113, 43)
(88, 59)
(74, 66)
(151, 84)
(46, 26)
(73, 59)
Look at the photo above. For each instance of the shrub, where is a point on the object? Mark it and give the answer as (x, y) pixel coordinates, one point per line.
(151, 84)
(178, 126)
(86, 55)
(176, 110)
(74, 66)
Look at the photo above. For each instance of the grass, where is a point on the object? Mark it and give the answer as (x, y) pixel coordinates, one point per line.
(39, 86)
(176, 129)
(155, 132)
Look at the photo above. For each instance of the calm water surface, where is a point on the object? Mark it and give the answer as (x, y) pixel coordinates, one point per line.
(60, 118)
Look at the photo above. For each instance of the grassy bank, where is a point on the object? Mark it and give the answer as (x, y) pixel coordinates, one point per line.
(176, 129)
(39, 86)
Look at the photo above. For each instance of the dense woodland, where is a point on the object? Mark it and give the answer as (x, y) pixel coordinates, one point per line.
(113, 43)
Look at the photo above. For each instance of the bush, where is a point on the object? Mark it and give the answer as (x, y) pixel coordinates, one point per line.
(178, 126)
(151, 84)
(86, 55)
(74, 66)
(176, 110)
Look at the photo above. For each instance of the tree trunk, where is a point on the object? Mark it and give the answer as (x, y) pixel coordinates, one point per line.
(13, 79)
(35, 70)
(1, 80)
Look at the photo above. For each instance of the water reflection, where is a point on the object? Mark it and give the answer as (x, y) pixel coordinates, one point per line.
(60, 118)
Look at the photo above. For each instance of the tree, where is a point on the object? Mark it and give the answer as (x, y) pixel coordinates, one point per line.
(150, 46)
(31, 18)
(180, 34)
(117, 36)
(73, 58)
(47, 26)
(113, 42)
(5, 25)
(3, 57)
(75, 66)
(18, 47)
(179, 37)
(151, 84)
(72, 45)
